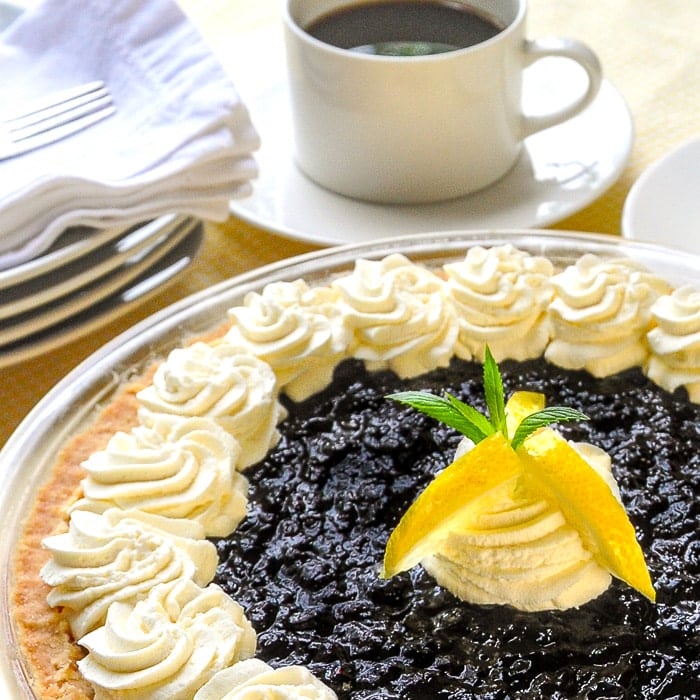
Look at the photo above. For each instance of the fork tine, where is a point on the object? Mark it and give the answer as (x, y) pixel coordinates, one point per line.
(100, 97)
(60, 132)
(55, 118)
(34, 107)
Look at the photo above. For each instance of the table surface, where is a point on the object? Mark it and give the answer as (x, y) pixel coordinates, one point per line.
(650, 52)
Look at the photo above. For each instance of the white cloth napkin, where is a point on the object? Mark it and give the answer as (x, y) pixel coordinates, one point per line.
(181, 139)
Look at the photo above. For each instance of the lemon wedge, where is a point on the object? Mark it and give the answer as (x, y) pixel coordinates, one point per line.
(588, 505)
(447, 498)
(520, 405)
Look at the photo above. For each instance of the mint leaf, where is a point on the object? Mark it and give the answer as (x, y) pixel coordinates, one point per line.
(459, 416)
(543, 418)
(475, 425)
(472, 415)
(493, 389)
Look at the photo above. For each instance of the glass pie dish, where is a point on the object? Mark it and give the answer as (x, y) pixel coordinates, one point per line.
(67, 409)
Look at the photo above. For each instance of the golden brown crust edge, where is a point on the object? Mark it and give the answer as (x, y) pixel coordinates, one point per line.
(45, 643)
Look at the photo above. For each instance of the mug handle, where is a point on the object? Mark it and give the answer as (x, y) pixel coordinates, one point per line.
(536, 49)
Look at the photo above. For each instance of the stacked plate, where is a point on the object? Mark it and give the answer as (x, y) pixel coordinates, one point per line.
(87, 279)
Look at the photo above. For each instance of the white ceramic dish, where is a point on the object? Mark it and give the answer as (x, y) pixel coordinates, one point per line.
(663, 205)
(560, 171)
(102, 300)
(28, 455)
(84, 259)
(39, 309)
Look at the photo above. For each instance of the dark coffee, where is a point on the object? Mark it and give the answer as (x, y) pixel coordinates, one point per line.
(404, 27)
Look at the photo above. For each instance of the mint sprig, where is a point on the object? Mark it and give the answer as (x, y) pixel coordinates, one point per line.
(493, 390)
(475, 425)
(448, 410)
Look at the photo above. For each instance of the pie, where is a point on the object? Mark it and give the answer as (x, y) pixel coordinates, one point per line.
(219, 527)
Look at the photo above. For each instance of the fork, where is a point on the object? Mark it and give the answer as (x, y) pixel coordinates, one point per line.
(54, 117)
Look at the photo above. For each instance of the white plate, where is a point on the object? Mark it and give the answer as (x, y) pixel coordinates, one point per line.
(560, 171)
(129, 287)
(80, 256)
(663, 205)
(43, 304)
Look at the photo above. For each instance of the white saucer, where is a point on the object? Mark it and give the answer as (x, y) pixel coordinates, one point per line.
(663, 205)
(560, 171)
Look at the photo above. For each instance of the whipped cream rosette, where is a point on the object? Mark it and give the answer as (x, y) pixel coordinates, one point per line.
(675, 342)
(254, 679)
(185, 470)
(517, 548)
(120, 556)
(295, 330)
(221, 382)
(601, 314)
(398, 314)
(500, 296)
(166, 646)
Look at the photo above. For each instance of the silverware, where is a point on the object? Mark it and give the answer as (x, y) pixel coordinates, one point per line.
(54, 117)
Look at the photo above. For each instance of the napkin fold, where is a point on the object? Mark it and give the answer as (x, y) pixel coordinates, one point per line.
(181, 140)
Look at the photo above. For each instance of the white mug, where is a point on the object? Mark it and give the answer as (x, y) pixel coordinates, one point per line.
(422, 128)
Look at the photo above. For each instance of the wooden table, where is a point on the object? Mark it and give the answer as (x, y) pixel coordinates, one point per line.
(650, 52)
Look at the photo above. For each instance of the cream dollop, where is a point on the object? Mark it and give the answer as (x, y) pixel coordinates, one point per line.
(295, 330)
(185, 470)
(601, 314)
(515, 548)
(501, 295)
(255, 680)
(398, 314)
(221, 382)
(166, 646)
(675, 342)
(120, 556)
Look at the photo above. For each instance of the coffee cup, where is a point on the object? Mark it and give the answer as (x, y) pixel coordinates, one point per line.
(434, 114)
